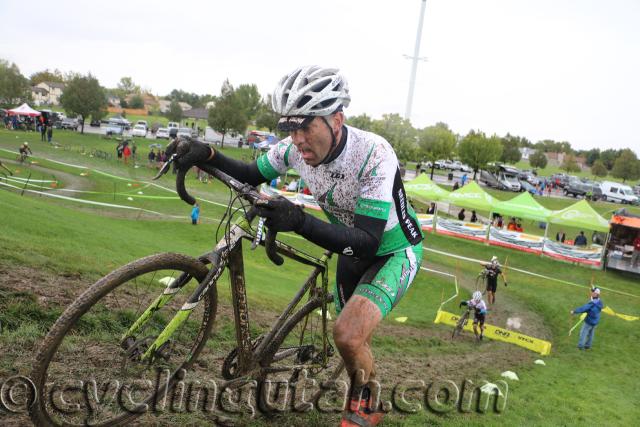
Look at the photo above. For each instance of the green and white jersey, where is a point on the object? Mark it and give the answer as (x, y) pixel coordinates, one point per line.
(363, 179)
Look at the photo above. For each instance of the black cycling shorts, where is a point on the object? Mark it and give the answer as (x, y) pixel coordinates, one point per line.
(492, 284)
(478, 319)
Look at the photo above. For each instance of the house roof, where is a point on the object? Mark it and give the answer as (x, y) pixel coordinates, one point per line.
(197, 113)
(55, 84)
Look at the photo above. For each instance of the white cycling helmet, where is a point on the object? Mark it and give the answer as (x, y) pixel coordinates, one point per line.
(477, 296)
(494, 260)
(308, 92)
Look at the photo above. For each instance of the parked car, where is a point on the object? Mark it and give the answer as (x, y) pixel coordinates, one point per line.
(69, 123)
(143, 123)
(616, 192)
(184, 132)
(126, 124)
(95, 123)
(575, 188)
(162, 133)
(525, 186)
(173, 129)
(139, 130)
(439, 164)
(114, 127)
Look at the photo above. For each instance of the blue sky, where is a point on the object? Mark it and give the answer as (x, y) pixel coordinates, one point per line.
(564, 70)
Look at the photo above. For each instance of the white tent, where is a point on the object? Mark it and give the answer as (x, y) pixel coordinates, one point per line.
(24, 110)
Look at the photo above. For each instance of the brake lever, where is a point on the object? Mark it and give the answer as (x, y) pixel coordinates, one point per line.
(165, 168)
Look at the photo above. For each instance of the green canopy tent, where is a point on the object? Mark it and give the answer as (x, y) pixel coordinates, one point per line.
(523, 206)
(424, 189)
(471, 196)
(580, 215)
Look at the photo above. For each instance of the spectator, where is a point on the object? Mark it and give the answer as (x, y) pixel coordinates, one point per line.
(49, 133)
(593, 309)
(455, 186)
(126, 152)
(512, 224)
(519, 228)
(636, 251)
(580, 240)
(274, 183)
(292, 186)
(134, 148)
(461, 215)
(195, 214)
(119, 150)
(474, 217)
(560, 236)
(151, 157)
(418, 168)
(432, 209)
(43, 132)
(464, 179)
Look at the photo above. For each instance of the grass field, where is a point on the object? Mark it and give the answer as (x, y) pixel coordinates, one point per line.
(51, 249)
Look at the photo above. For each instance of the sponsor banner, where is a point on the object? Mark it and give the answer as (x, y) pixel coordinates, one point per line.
(590, 256)
(297, 198)
(426, 221)
(515, 240)
(467, 230)
(499, 334)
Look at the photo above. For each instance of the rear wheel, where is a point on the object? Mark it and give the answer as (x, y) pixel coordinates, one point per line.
(86, 354)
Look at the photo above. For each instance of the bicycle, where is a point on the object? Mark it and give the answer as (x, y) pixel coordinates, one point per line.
(462, 321)
(113, 330)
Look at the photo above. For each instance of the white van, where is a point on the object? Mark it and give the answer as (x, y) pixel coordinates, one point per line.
(616, 192)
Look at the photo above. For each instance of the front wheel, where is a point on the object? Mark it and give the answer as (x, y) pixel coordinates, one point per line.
(89, 351)
(460, 324)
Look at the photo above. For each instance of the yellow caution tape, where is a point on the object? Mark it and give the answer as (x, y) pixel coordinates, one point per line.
(495, 333)
(626, 317)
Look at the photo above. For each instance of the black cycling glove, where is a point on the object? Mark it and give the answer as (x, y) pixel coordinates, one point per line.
(190, 152)
(463, 303)
(280, 214)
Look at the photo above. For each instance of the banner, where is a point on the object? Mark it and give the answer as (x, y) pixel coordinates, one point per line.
(495, 333)
(515, 240)
(466, 230)
(426, 221)
(297, 198)
(579, 254)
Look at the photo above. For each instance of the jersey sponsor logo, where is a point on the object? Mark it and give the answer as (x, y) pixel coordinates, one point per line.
(406, 220)
(347, 251)
(337, 175)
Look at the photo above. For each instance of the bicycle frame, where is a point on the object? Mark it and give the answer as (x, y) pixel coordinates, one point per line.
(228, 253)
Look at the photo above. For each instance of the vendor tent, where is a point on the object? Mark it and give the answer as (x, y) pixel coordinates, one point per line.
(523, 206)
(580, 215)
(471, 196)
(23, 110)
(424, 188)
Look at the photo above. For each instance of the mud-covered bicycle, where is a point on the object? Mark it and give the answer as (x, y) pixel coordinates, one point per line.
(156, 315)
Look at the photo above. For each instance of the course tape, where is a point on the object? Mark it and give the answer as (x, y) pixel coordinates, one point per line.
(608, 310)
(530, 273)
(499, 334)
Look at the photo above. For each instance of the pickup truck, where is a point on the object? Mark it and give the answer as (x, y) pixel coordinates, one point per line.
(575, 188)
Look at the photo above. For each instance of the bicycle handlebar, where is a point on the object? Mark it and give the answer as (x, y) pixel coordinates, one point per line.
(245, 191)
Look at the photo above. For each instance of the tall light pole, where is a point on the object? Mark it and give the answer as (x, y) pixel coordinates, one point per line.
(414, 65)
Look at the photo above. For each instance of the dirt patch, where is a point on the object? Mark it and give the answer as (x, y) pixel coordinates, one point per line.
(69, 181)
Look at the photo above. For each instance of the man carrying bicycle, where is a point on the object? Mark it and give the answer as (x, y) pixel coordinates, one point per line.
(25, 151)
(492, 270)
(479, 312)
(355, 177)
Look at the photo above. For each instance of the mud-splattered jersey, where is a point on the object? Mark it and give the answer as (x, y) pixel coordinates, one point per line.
(363, 179)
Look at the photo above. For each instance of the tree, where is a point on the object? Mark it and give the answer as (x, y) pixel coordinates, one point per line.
(538, 159)
(175, 112)
(126, 86)
(227, 113)
(599, 169)
(569, 164)
(14, 87)
(510, 149)
(436, 142)
(477, 150)
(46, 76)
(249, 99)
(626, 166)
(136, 102)
(362, 121)
(267, 118)
(400, 134)
(592, 156)
(83, 96)
(609, 157)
